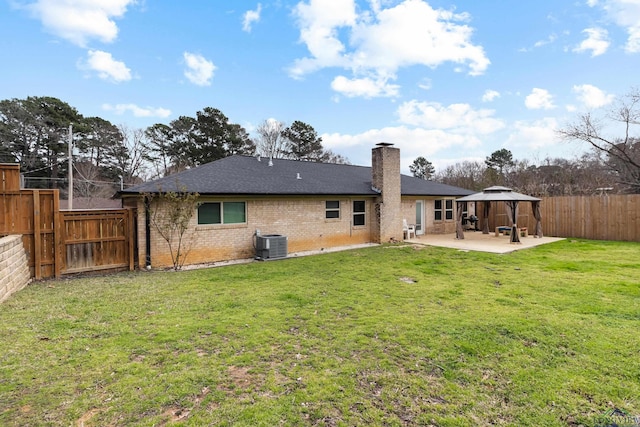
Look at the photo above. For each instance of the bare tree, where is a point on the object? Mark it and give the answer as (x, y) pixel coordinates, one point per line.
(329, 156)
(89, 182)
(523, 177)
(131, 160)
(170, 214)
(270, 142)
(467, 174)
(622, 150)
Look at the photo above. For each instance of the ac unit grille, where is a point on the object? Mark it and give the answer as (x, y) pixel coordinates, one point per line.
(271, 246)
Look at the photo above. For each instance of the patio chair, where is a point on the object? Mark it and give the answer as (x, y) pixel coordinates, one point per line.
(408, 229)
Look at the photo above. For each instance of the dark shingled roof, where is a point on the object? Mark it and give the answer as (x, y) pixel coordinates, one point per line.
(246, 175)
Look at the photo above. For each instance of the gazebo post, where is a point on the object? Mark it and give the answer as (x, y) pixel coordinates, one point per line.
(486, 208)
(515, 233)
(535, 206)
(459, 229)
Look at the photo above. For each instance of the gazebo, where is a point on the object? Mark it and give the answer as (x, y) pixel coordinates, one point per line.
(500, 194)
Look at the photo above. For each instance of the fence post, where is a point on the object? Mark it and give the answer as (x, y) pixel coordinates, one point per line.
(37, 236)
(58, 255)
(130, 238)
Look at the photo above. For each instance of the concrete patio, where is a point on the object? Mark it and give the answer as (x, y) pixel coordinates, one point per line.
(473, 241)
(476, 241)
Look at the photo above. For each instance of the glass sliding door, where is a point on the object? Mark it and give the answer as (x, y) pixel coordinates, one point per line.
(419, 217)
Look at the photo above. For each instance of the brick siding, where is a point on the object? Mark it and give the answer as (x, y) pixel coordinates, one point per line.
(301, 219)
(430, 225)
(385, 169)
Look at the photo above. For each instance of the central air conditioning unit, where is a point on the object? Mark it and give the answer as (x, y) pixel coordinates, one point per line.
(271, 246)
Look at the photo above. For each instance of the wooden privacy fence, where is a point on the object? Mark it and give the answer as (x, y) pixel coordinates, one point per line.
(64, 242)
(92, 240)
(607, 217)
(32, 213)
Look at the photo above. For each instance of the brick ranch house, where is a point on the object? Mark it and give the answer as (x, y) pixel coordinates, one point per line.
(315, 205)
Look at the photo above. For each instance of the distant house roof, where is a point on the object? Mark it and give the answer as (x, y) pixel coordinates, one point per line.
(247, 175)
(92, 203)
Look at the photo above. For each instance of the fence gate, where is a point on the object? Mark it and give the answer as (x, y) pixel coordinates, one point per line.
(63, 242)
(93, 240)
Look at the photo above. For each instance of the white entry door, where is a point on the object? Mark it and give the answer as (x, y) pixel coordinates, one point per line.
(419, 217)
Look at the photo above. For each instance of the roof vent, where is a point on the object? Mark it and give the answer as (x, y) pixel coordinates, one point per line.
(270, 161)
(298, 176)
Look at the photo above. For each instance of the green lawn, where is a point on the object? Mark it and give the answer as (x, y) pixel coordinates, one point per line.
(391, 336)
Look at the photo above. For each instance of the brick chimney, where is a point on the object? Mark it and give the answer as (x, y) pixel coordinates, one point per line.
(385, 171)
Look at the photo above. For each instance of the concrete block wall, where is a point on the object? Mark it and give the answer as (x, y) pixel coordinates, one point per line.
(14, 266)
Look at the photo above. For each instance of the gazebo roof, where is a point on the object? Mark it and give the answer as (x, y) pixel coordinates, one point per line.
(498, 194)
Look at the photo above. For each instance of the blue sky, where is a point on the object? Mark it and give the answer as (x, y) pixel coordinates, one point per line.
(447, 80)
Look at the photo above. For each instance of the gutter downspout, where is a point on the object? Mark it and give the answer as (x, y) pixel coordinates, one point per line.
(147, 232)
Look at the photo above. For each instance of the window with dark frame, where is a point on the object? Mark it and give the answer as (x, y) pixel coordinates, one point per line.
(359, 217)
(210, 213)
(222, 213)
(332, 209)
(437, 210)
(448, 210)
(443, 209)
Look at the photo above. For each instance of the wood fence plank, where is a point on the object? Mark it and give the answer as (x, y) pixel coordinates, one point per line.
(607, 217)
(97, 240)
(90, 240)
(57, 246)
(129, 230)
(37, 237)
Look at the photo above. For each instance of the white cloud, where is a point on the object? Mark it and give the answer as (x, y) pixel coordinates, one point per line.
(534, 135)
(319, 21)
(425, 129)
(460, 118)
(412, 142)
(412, 33)
(365, 87)
(107, 67)
(380, 41)
(425, 84)
(249, 17)
(137, 111)
(199, 70)
(633, 43)
(79, 21)
(552, 38)
(490, 95)
(539, 99)
(626, 14)
(596, 42)
(592, 97)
